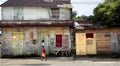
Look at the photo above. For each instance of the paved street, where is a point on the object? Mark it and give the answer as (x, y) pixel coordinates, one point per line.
(60, 61)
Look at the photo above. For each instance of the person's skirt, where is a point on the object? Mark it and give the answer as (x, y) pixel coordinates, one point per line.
(43, 55)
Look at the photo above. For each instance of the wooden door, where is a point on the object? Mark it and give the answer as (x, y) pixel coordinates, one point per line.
(90, 43)
(58, 40)
(18, 43)
(80, 44)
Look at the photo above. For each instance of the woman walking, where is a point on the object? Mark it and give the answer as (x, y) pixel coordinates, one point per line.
(43, 56)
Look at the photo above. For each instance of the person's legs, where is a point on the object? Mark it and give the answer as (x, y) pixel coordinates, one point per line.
(45, 59)
(42, 58)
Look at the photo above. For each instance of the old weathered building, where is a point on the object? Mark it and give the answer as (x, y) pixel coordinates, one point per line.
(91, 40)
(25, 23)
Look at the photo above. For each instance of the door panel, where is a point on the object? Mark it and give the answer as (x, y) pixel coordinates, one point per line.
(91, 45)
(58, 40)
(80, 44)
(18, 43)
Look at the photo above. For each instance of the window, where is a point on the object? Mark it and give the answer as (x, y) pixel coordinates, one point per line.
(18, 13)
(58, 40)
(34, 41)
(89, 42)
(65, 40)
(89, 35)
(55, 13)
(89, 38)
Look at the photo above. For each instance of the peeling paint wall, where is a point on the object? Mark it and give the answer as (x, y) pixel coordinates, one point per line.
(27, 40)
(115, 40)
(36, 13)
(65, 14)
(7, 13)
(33, 13)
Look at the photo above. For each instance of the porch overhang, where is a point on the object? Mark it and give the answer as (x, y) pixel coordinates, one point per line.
(36, 24)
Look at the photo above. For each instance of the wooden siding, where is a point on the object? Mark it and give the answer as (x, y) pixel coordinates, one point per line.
(107, 39)
(103, 42)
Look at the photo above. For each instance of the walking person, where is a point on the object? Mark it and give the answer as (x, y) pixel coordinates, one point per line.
(43, 56)
(43, 44)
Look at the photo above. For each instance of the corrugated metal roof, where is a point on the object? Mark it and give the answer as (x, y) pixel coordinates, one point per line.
(35, 3)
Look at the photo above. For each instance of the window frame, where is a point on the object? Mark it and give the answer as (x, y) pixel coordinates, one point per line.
(55, 13)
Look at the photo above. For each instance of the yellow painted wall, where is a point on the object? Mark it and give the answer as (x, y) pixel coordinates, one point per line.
(91, 48)
(82, 48)
(80, 44)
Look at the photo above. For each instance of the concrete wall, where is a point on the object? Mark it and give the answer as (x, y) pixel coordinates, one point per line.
(35, 13)
(65, 14)
(7, 13)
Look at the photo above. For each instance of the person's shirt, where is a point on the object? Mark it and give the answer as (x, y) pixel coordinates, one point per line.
(43, 44)
(43, 50)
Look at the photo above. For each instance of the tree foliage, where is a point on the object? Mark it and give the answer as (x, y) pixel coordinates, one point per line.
(108, 12)
(82, 17)
(74, 15)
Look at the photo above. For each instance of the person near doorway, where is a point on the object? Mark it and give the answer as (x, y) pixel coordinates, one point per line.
(43, 56)
(43, 44)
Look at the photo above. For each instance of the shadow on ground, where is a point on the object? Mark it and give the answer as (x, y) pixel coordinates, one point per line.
(35, 64)
(98, 57)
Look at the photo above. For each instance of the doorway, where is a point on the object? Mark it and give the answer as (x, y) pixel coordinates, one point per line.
(43, 36)
(18, 43)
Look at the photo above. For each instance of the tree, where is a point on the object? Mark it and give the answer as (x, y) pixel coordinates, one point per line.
(108, 12)
(83, 17)
(74, 14)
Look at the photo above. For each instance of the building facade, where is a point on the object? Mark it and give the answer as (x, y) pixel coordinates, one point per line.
(25, 23)
(91, 41)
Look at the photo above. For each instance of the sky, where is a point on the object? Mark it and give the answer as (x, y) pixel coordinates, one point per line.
(83, 7)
